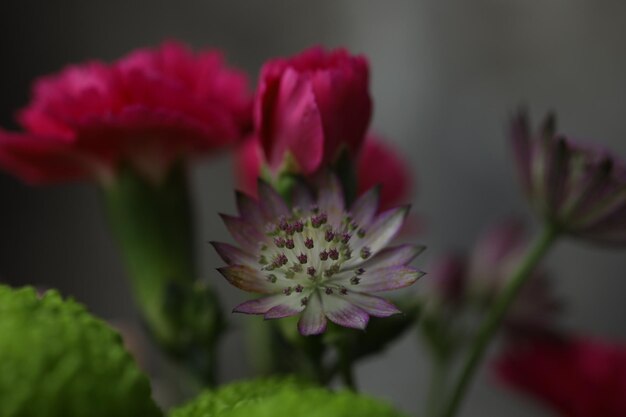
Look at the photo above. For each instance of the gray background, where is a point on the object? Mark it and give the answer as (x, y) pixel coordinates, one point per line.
(445, 76)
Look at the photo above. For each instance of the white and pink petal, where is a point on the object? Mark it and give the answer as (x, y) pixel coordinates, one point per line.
(394, 256)
(365, 207)
(374, 306)
(232, 255)
(342, 312)
(378, 280)
(312, 321)
(252, 280)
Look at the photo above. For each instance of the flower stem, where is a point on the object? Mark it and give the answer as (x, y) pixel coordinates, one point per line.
(153, 226)
(498, 311)
(436, 386)
(347, 371)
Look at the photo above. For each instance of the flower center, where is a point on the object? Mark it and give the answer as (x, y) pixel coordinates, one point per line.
(308, 250)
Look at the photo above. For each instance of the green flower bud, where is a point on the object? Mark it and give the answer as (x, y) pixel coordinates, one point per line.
(282, 398)
(56, 360)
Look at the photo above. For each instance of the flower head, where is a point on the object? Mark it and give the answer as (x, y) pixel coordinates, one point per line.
(578, 189)
(311, 106)
(317, 258)
(147, 110)
(575, 376)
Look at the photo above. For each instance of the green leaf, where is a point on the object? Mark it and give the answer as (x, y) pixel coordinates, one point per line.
(57, 360)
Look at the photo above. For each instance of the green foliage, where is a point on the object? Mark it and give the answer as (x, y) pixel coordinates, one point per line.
(56, 360)
(282, 398)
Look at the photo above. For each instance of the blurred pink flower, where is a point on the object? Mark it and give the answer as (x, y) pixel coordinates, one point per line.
(377, 164)
(147, 110)
(578, 189)
(473, 280)
(311, 106)
(576, 377)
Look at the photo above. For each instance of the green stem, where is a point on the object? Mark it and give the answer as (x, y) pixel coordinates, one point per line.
(153, 226)
(436, 388)
(346, 369)
(498, 311)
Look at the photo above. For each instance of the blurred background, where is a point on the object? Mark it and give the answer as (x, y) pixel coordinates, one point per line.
(444, 80)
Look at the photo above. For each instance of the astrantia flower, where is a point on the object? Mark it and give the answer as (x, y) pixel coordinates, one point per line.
(311, 106)
(317, 259)
(576, 377)
(145, 110)
(377, 164)
(474, 280)
(578, 189)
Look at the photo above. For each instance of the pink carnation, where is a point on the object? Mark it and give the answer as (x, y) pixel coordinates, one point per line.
(311, 106)
(147, 109)
(576, 377)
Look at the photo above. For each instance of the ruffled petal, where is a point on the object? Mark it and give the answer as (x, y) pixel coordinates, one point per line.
(342, 312)
(298, 126)
(312, 320)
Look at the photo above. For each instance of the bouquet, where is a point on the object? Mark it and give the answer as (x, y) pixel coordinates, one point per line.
(323, 241)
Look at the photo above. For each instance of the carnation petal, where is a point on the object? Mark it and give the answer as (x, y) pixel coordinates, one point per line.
(299, 128)
(312, 321)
